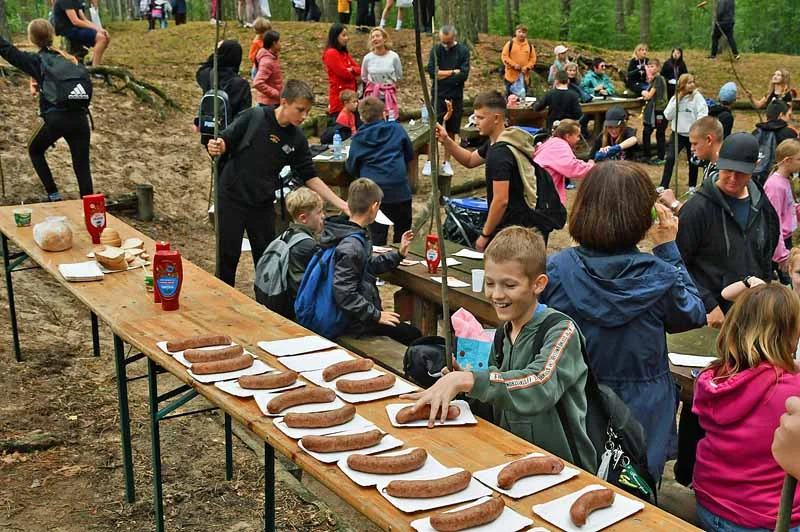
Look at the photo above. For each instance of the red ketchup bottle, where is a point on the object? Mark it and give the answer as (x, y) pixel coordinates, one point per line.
(94, 214)
(432, 253)
(160, 246)
(168, 278)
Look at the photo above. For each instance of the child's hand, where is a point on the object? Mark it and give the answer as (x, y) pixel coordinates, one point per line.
(441, 393)
(391, 319)
(216, 147)
(405, 242)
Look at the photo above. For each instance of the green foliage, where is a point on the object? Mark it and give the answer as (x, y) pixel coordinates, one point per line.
(20, 12)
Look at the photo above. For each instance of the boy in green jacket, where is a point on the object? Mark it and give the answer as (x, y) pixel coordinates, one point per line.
(524, 387)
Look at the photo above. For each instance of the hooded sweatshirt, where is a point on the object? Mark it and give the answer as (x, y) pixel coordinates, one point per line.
(779, 191)
(716, 250)
(692, 108)
(735, 476)
(380, 151)
(556, 156)
(779, 127)
(624, 303)
(229, 60)
(268, 82)
(354, 272)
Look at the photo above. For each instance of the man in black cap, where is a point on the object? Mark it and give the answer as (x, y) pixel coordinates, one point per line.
(728, 230)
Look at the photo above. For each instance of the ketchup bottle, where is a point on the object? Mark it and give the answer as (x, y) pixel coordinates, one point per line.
(160, 246)
(94, 214)
(432, 253)
(168, 278)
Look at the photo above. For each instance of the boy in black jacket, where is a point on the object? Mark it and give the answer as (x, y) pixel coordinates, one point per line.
(560, 101)
(355, 267)
(777, 116)
(259, 143)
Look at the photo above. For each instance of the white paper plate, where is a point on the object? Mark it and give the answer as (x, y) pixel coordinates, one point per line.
(524, 486)
(356, 423)
(475, 490)
(233, 388)
(315, 361)
(556, 512)
(465, 418)
(400, 386)
(508, 521)
(257, 368)
(388, 442)
(296, 346)
(163, 346)
(263, 398)
(431, 469)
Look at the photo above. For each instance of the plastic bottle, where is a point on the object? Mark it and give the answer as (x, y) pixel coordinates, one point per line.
(94, 214)
(160, 246)
(337, 147)
(168, 278)
(391, 115)
(424, 114)
(432, 253)
(522, 96)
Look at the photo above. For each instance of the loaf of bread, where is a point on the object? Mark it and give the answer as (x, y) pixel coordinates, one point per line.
(112, 258)
(53, 234)
(110, 237)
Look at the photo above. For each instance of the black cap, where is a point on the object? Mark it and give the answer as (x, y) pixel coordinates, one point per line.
(739, 153)
(615, 116)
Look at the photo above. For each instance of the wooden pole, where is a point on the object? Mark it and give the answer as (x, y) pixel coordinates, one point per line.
(785, 508)
(215, 164)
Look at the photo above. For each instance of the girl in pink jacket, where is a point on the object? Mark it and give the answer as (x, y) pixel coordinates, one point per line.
(778, 189)
(269, 79)
(739, 400)
(556, 156)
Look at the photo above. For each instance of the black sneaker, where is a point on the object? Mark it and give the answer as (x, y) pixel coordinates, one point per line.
(711, 57)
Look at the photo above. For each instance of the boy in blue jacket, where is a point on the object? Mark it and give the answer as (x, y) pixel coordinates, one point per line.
(381, 151)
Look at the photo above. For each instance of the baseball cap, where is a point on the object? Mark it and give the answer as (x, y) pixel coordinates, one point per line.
(560, 49)
(615, 116)
(739, 153)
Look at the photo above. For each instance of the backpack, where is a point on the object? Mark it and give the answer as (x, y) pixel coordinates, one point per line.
(767, 142)
(618, 438)
(272, 270)
(541, 196)
(65, 85)
(423, 360)
(205, 114)
(315, 307)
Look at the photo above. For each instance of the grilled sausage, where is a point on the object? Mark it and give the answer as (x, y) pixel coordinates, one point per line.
(348, 366)
(210, 355)
(316, 420)
(375, 384)
(588, 503)
(193, 342)
(406, 415)
(388, 465)
(268, 381)
(426, 489)
(477, 515)
(342, 442)
(222, 366)
(300, 396)
(535, 465)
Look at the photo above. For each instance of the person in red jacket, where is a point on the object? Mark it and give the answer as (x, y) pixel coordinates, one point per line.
(269, 79)
(343, 71)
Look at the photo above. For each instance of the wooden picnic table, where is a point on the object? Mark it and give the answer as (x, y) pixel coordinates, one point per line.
(333, 173)
(208, 305)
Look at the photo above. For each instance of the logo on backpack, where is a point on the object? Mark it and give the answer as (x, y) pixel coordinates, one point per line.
(205, 114)
(65, 85)
(272, 270)
(78, 93)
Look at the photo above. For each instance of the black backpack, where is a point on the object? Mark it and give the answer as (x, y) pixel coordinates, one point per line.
(424, 360)
(610, 424)
(65, 85)
(767, 143)
(205, 114)
(550, 213)
(510, 46)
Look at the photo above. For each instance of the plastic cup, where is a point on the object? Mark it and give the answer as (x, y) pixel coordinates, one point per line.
(22, 216)
(477, 280)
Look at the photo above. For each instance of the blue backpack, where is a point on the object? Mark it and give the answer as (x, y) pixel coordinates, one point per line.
(315, 307)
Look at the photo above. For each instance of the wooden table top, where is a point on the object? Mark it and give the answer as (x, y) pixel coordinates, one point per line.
(601, 105)
(208, 305)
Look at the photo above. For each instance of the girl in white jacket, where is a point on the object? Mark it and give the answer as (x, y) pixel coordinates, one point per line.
(691, 106)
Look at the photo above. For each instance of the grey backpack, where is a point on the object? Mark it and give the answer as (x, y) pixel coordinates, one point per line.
(271, 273)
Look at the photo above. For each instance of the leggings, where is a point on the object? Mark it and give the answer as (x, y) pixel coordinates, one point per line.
(234, 218)
(661, 138)
(683, 143)
(72, 126)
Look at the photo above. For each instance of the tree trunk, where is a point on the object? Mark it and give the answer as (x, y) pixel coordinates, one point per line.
(629, 7)
(465, 16)
(509, 18)
(516, 12)
(619, 12)
(644, 21)
(566, 9)
(3, 30)
(483, 11)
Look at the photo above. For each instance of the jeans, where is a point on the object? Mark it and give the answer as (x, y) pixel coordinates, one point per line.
(683, 143)
(234, 218)
(661, 138)
(72, 127)
(400, 214)
(727, 30)
(712, 523)
(402, 332)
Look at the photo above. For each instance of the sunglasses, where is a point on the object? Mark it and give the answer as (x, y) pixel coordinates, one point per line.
(601, 66)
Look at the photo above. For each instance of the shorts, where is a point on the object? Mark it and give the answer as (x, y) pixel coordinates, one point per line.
(453, 125)
(83, 36)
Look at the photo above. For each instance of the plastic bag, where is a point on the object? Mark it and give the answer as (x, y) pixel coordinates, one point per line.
(518, 86)
(53, 234)
(95, 16)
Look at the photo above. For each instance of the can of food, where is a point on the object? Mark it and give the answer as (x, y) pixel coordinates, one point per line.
(22, 216)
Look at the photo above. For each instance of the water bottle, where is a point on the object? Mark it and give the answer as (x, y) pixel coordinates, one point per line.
(337, 147)
(424, 114)
(391, 115)
(522, 95)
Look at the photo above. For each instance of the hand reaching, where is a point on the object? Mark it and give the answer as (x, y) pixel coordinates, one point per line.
(405, 242)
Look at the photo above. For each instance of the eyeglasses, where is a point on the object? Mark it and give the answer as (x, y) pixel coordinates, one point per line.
(601, 66)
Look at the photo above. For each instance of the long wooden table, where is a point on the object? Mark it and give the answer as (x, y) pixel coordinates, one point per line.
(333, 172)
(209, 305)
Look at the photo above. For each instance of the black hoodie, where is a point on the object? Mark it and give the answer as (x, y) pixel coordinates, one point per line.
(715, 249)
(354, 272)
(781, 129)
(229, 60)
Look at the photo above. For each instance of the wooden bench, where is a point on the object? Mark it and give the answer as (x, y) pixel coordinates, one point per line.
(386, 352)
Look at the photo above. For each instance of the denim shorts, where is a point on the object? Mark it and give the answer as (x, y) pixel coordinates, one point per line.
(84, 36)
(712, 523)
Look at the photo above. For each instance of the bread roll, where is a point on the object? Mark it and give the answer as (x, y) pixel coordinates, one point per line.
(110, 237)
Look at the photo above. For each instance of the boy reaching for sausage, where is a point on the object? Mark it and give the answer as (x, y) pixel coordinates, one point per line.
(525, 388)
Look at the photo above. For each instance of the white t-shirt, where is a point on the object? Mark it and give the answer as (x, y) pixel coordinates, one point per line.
(383, 69)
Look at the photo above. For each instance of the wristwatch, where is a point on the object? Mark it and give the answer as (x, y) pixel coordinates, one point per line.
(746, 281)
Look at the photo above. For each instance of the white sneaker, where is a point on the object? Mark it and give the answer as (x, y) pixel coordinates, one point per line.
(426, 170)
(446, 170)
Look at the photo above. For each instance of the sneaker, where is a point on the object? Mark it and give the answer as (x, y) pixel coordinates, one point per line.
(426, 170)
(691, 191)
(213, 21)
(659, 190)
(446, 170)
(711, 57)
(379, 282)
(54, 196)
(738, 56)
(571, 186)
(659, 162)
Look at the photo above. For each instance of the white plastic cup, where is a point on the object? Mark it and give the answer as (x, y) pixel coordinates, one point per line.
(477, 280)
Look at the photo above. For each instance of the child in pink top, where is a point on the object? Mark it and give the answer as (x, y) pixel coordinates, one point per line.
(556, 156)
(778, 189)
(269, 79)
(739, 400)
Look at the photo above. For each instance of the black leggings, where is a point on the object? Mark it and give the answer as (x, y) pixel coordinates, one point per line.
(72, 127)
(661, 138)
(683, 143)
(400, 214)
(234, 218)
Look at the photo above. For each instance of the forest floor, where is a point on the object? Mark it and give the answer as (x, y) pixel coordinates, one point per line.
(61, 390)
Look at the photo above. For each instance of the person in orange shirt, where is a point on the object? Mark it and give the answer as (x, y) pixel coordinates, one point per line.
(343, 8)
(261, 26)
(519, 56)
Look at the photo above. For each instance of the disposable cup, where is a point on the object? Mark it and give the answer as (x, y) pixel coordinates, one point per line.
(477, 280)
(22, 217)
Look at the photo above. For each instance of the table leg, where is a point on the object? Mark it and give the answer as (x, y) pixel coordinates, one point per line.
(155, 437)
(597, 126)
(124, 418)
(426, 317)
(269, 488)
(95, 335)
(228, 448)
(12, 309)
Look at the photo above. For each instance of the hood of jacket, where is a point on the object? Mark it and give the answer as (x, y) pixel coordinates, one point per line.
(615, 289)
(709, 191)
(772, 125)
(377, 134)
(731, 400)
(229, 60)
(338, 227)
